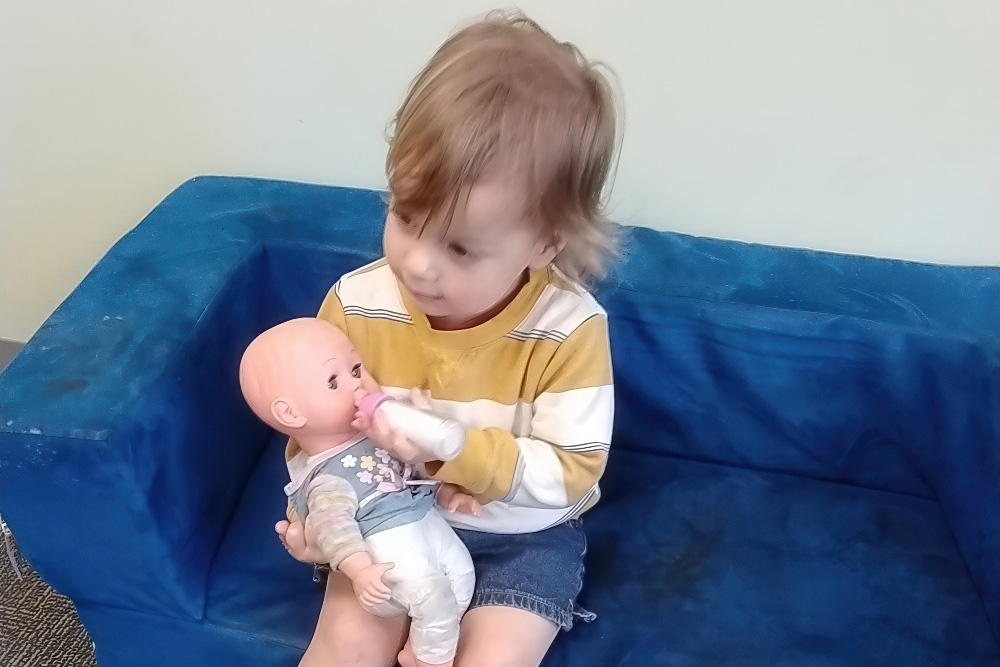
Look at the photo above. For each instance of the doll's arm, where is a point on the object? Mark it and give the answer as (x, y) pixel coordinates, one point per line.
(332, 508)
(456, 499)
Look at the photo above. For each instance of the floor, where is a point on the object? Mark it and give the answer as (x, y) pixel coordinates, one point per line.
(38, 627)
(8, 349)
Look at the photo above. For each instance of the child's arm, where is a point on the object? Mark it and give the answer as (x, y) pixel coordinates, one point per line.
(563, 458)
(332, 508)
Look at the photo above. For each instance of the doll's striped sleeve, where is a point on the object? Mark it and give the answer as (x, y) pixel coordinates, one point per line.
(332, 508)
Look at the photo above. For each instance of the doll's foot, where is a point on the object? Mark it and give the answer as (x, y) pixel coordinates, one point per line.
(407, 659)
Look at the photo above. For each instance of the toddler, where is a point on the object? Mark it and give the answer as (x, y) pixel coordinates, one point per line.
(496, 170)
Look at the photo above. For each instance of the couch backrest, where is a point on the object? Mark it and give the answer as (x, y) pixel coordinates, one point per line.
(873, 372)
(863, 371)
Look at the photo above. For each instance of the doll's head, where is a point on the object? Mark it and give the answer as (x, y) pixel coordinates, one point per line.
(301, 377)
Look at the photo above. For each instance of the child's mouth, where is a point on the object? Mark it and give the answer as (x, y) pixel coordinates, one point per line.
(425, 297)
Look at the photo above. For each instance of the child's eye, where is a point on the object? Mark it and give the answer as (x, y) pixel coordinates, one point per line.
(459, 250)
(333, 382)
(356, 371)
(404, 220)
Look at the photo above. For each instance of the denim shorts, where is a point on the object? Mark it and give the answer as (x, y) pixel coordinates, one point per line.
(539, 572)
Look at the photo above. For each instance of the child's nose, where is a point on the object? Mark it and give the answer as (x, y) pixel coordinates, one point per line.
(420, 262)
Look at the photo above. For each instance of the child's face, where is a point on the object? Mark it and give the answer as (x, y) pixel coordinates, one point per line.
(463, 276)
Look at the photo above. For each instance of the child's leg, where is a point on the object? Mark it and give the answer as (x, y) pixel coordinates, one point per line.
(503, 637)
(526, 589)
(346, 634)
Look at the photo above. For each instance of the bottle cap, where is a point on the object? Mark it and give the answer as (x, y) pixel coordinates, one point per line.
(370, 403)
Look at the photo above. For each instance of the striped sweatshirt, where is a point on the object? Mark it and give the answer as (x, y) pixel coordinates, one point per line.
(532, 385)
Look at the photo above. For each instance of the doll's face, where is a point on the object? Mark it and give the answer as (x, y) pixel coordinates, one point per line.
(327, 376)
(301, 377)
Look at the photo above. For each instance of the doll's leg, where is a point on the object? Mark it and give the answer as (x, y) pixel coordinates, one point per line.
(453, 558)
(419, 584)
(346, 634)
(455, 562)
(434, 621)
(504, 637)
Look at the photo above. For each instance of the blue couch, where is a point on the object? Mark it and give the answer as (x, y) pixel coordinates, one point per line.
(805, 468)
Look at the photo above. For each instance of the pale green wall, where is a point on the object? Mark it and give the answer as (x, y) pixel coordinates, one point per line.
(861, 126)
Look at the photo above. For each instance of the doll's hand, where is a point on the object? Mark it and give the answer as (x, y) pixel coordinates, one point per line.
(366, 578)
(370, 588)
(395, 441)
(454, 499)
(299, 541)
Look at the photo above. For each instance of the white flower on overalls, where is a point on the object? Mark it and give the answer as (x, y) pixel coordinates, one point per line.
(365, 477)
(383, 455)
(349, 461)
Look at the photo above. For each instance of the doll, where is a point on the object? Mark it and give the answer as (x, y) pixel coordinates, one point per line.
(372, 521)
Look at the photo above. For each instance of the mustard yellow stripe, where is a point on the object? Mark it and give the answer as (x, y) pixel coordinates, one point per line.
(504, 371)
(485, 467)
(389, 350)
(332, 310)
(582, 360)
(485, 333)
(581, 470)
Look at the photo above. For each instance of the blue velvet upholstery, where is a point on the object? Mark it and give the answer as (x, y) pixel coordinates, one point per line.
(805, 470)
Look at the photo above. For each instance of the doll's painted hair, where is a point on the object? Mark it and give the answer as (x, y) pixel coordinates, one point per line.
(502, 98)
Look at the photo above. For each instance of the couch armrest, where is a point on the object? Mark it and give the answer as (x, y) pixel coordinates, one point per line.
(124, 440)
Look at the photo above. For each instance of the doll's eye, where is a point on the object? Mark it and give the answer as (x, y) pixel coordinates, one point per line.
(333, 382)
(356, 371)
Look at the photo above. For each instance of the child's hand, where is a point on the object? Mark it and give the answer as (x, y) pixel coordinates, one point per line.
(392, 440)
(454, 499)
(299, 541)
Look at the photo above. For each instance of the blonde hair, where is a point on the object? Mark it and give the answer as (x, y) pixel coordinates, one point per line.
(502, 96)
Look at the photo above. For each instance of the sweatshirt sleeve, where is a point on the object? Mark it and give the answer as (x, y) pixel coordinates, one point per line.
(565, 454)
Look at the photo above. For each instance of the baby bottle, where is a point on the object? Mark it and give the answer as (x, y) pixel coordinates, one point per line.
(444, 438)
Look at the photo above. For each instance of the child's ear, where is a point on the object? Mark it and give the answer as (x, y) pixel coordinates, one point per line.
(546, 250)
(283, 413)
